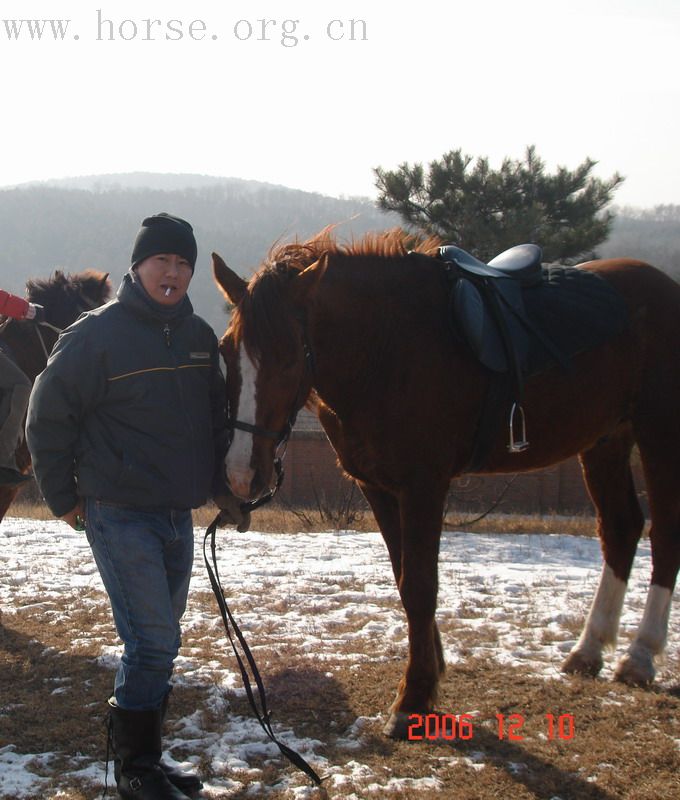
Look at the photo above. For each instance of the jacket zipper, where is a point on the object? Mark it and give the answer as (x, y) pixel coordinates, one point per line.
(166, 331)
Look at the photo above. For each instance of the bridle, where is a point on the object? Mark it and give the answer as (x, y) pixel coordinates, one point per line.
(282, 436)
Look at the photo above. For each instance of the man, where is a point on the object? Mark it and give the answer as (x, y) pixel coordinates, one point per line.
(126, 428)
(15, 388)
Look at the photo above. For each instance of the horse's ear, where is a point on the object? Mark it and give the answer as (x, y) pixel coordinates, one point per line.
(304, 286)
(233, 286)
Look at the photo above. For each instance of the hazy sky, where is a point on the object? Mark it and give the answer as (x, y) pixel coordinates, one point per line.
(308, 105)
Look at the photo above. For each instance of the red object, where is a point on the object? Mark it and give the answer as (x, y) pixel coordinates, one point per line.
(13, 306)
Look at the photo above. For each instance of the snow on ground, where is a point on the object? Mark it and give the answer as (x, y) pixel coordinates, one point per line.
(329, 595)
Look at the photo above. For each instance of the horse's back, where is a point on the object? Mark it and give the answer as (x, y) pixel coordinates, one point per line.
(640, 283)
(653, 299)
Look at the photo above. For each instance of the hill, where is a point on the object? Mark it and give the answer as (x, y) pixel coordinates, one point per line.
(85, 222)
(91, 221)
(650, 234)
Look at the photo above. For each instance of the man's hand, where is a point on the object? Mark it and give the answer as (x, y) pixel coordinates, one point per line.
(230, 511)
(76, 517)
(36, 312)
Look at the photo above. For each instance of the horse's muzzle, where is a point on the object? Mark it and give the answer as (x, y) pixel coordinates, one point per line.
(247, 485)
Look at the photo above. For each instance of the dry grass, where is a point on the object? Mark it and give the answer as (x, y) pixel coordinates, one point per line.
(276, 518)
(624, 748)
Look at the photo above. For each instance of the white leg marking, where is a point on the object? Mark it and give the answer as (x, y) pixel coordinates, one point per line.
(652, 632)
(602, 624)
(237, 463)
(637, 665)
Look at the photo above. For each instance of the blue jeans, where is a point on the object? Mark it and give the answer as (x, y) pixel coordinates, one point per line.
(145, 560)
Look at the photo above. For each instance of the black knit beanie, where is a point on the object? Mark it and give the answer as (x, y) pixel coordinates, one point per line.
(163, 233)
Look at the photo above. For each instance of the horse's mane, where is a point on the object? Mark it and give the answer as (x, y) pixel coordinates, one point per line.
(261, 321)
(393, 243)
(49, 291)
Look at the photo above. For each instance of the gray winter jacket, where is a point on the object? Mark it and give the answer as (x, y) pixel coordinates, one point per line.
(130, 408)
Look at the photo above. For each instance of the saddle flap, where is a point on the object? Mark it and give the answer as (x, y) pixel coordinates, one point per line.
(477, 327)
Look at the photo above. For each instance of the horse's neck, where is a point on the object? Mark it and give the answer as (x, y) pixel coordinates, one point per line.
(26, 348)
(356, 339)
(372, 325)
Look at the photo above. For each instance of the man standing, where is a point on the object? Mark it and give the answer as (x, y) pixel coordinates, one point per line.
(126, 428)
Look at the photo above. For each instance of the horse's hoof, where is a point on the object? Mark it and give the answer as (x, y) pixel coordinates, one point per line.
(397, 726)
(576, 663)
(635, 669)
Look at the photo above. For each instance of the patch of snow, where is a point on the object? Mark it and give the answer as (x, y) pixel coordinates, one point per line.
(329, 597)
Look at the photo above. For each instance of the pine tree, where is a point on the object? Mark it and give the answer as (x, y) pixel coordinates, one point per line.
(485, 211)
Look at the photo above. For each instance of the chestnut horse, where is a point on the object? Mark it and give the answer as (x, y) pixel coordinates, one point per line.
(64, 298)
(400, 397)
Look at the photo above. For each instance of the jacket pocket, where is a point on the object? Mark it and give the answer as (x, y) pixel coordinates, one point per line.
(134, 475)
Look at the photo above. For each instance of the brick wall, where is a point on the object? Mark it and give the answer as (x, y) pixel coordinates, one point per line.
(312, 472)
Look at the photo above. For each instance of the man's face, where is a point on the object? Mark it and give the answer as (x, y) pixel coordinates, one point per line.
(165, 277)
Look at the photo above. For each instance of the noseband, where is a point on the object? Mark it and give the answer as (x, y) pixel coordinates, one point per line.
(280, 437)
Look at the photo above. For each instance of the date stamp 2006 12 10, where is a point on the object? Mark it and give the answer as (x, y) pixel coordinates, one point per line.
(462, 726)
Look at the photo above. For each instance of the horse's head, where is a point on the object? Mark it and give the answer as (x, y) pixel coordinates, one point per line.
(268, 363)
(66, 297)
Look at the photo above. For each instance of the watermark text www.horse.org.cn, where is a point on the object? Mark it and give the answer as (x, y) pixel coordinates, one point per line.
(106, 27)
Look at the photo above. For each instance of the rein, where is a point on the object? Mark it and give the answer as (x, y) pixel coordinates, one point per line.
(260, 709)
(40, 336)
(87, 305)
(36, 326)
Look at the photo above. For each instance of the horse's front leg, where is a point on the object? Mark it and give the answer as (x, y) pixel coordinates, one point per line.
(420, 514)
(7, 495)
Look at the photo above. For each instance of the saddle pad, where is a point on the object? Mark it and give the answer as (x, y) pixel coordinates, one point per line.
(575, 310)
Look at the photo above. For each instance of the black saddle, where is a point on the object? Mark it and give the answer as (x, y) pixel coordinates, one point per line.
(519, 317)
(521, 263)
(488, 313)
(488, 307)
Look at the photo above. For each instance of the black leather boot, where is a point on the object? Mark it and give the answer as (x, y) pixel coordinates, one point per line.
(187, 782)
(136, 740)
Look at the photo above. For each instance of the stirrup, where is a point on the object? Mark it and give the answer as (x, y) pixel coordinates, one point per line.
(517, 446)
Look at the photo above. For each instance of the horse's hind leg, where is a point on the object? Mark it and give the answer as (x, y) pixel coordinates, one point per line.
(608, 476)
(661, 462)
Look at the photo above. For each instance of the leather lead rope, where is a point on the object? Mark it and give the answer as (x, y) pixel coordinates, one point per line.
(261, 710)
(42, 340)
